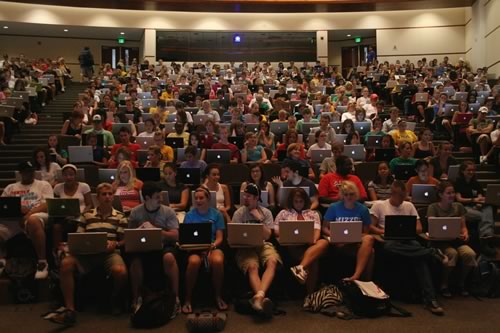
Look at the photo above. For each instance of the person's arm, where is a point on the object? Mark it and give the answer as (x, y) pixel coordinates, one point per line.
(88, 201)
(64, 129)
(219, 237)
(463, 200)
(325, 228)
(244, 155)
(227, 197)
(488, 129)
(182, 205)
(323, 191)
(419, 226)
(414, 149)
(464, 233)
(270, 194)
(170, 236)
(372, 194)
(263, 156)
(374, 228)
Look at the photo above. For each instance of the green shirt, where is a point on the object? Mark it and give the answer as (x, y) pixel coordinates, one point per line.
(107, 136)
(456, 210)
(401, 161)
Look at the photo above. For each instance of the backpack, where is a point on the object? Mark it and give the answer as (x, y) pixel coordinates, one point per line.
(155, 311)
(206, 321)
(324, 298)
(366, 306)
(486, 279)
(21, 268)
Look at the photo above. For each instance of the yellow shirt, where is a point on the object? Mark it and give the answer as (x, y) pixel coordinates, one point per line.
(168, 153)
(165, 95)
(163, 115)
(407, 135)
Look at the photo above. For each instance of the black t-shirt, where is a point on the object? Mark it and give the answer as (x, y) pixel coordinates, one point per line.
(100, 153)
(313, 191)
(468, 190)
(174, 193)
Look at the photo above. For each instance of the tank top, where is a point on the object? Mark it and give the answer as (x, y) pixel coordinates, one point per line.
(419, 153)
(219, 196)
(72, 131)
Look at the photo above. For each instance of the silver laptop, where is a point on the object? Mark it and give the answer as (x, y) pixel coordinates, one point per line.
(421, 97)
(213, 198)
(318, 155)
(149, 103)
(461, 96)
(449, 109)
(345, 232)
(284, 192)
(81, 243)
(340, 138)
(142, 240)
(264, 198)
(296, 232)
(245, 234)
(107, 175)
(341, 109)
(362, 127)
(81, 154)
(145, 142)
(278, 128)
(200, 119)
(493, 194)
(444, 228)
(423, 194)
(356, 152)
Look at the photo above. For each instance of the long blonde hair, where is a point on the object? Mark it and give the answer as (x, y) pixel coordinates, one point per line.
(131, 170)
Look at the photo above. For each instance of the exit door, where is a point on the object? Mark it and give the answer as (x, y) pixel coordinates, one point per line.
(113, 54)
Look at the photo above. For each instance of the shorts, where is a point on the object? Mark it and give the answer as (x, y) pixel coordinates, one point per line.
(43, 217)
(87, 263)
(246, 257)
(483, 136)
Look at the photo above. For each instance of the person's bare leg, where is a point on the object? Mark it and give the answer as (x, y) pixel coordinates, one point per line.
(483, 146)
(57, 235)
(2, 133)
(67, 281)
(268, 276)
(216, 259)
(363, 256)
(253, 277)
(314, 252)
(36, 232)
(193, 266)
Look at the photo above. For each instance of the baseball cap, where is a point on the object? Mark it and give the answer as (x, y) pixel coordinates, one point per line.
(25, 166)
(483, 109)
(253, 190)
(97, 118)
(373, 96)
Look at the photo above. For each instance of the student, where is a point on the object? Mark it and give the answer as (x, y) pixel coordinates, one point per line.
(152, 214)
(391, 123)
(447, 207)
(127, 186)
(321, 144)
(180, 133)
(307, 118)
(256, 176)
(100, 155)
(125, 136)
(328, 164)
(294, 179)
(478, 133)
(405, 150)
(349, 209)
(291, 136)
(299, 208)
(192, 160)
(423, 176)
(149, 129)
(206, 108)
(225, 144)
(439, 165)
(324, 125)
(203, 213)
(253, 152)
(293, 154)
(61, 155)
(248, 259)
(71, 188)
(380, 187)
(167, 152)
(113, 222)
(401, 134)
(222, 194)
(424, 148)
(409, 250)
(376, 129)
(42, 162)
(154, 158)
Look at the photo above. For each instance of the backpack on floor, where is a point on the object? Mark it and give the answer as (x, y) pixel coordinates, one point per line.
(325, 297)
(155, 311)
(364, 305)
(21, 269)
(486, 279)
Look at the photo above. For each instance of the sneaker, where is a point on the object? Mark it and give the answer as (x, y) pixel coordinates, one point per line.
(299, 273)
(267, 307)
(434, 307)
(3, 262)
(65, 317)
(483, 160)
(42, 270)
(446, 293)
(136, 305)
(257, 303)
(177, 309)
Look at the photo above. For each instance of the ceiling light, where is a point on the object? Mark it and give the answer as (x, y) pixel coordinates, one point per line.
(65, 30)
(348, 35)
(5, 27)
(122, 33)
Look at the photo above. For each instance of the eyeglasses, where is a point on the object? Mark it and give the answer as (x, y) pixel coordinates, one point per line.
(349, 194)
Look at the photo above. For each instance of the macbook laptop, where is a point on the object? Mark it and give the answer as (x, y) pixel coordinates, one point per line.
(306, 127)
(345, 232)
(318, 155)
(400, 227)
(461, 96)
(218, 156)
(453, 171)
(245, 234)
(238, 141)
(421, 97)
(81, 243)
(144, 142)
(423, 194)
(175, 142)
(148, 174)
(189, 176)
(493, 194)
(107, 175)
(63, 207)
(464, 119)
(252, 128)
(404, 172)
(385, 154)
(296, 232)
(279, 128)
(444, 228)
(100, 140)
(374, 141)
(362, 127)
(284, 191)
(10, 207)
(200, 119)
(340, 138)
(474, 107)
(336, 125)
(81, 154)
(449, 109)
(213, 198)
(142, 240)
(356, 152)
(168, 127)
(195, 235)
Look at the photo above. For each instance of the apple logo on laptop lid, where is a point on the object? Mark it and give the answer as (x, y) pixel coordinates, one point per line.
(445, 227)
(195, 233)
(296, 232)
(346, 232)
(143, 239)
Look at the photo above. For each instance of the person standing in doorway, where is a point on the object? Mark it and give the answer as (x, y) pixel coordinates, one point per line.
(86, 60)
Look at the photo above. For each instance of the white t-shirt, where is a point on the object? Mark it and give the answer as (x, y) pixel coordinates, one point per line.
(83, 188)
(362, 101)
(388, 125)
(370, 109)
(31, 195)
(146, 134)
(348, 115)
(381, 209)
(50, 175)
(317, 147)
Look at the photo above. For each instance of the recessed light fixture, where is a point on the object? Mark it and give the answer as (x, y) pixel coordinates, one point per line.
(122, 33)
(5, 27)
(348, 35)
(65, 30)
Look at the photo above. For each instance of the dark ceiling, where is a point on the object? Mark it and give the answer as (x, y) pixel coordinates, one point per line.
(269, 6)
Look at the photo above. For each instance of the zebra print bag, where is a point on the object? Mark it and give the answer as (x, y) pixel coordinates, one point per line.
(326, 297)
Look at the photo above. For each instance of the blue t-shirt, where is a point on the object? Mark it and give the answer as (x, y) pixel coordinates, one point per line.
(213, 216)
(338, 213)
(255, 155)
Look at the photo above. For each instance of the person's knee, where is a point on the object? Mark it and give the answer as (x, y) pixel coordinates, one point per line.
(33, 224)
(452, 255)
(217, 259)
(368, 240)
(252, 267)
(194, 261)
(169, 259)
(119, 271)
(68, 264)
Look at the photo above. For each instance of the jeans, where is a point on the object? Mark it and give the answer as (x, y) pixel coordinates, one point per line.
(484, 219)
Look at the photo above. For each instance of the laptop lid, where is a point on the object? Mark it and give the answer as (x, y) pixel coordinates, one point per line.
(142, 240)
(400, 227)
(374, 141)
(449, 109)
(279, 128)
(200, 119)
(464, 118)
(296, 232)
(356, 152)
(238, 141)
(423, 193)
(345, 232)
(362, 127)
(144, 141)
(444, 228)
(404, 172)
(81, 154)
(385, 154)
(222, 156)
(10, 207)
(421, 97)
(493, 194)
(245, 234)
(82, 243)
(58, 207)
(190, 176)
(199, 234)
(107, 175)
(175, 142)
(148, 174)
(318, 155)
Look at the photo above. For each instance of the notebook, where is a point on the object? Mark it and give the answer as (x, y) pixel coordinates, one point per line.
(356, 152)
(400, 227)
(10, 207)
(81, 154)
(218, 156)
(190, 176)
(404, 172)
(444, 228)
(318, 155)
(195, 235)
(245, 234)
(82, 243)
(345, 232)
(423, 194)
(148, 174)
(142, 240)
(63, 207)
(296, 232)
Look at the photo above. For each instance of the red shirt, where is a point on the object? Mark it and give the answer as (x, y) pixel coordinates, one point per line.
(329, 185)
(133, 147)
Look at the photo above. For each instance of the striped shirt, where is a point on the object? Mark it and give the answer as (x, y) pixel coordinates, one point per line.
(113, 225)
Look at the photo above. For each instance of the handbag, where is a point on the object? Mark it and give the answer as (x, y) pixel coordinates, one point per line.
(206, 321)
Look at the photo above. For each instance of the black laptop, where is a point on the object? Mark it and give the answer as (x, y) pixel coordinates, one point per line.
(10, 207)
(175, 142)
(384, 154)
(189, 176)
(400, 227)
(148, 174)
(238, 141)
(404, 172)
(218, 156)
(195, 235)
